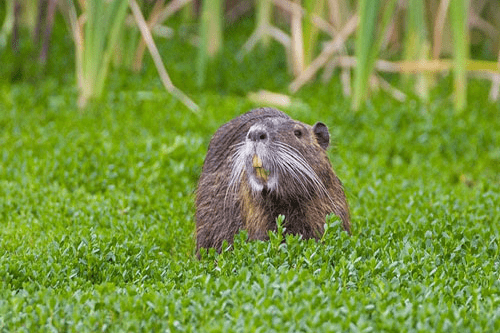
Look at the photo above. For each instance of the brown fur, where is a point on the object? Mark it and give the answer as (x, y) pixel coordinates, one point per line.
(223, 209)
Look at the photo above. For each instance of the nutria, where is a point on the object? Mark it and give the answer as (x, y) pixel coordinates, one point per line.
(260, 165)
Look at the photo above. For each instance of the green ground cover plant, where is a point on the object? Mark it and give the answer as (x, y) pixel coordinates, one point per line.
(97, 210)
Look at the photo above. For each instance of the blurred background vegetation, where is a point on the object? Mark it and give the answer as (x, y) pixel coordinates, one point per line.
(399, 46)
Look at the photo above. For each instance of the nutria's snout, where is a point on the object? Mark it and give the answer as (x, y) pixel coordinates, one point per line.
(258, 133)
(258, 166)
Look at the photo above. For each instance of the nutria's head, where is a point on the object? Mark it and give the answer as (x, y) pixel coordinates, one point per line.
(283, 158)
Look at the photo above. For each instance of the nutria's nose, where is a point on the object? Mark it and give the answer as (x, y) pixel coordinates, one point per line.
(257, 134)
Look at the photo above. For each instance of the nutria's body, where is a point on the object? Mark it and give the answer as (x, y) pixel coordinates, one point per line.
(260, 165)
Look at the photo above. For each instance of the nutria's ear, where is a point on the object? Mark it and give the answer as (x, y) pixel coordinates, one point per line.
(321, 132)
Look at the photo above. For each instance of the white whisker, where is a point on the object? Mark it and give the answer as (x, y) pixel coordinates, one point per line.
(286, 163)
(299, 169)
(238, 162)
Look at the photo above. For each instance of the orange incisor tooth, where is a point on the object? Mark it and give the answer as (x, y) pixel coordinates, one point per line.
(256, 162)
(259, 170)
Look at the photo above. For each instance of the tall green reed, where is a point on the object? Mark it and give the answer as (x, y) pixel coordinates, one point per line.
(458, 15)
(369, 38)
(311, 32)
(8, 23)
(263, 12)
(210, 33)
(95, 43)
(416, 44)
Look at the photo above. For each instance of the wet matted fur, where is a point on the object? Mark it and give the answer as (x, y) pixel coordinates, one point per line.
(263, 164)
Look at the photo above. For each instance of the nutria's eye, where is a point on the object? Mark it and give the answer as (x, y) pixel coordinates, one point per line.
(298, 133)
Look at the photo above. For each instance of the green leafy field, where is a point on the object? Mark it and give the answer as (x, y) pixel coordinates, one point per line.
(97, 212)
